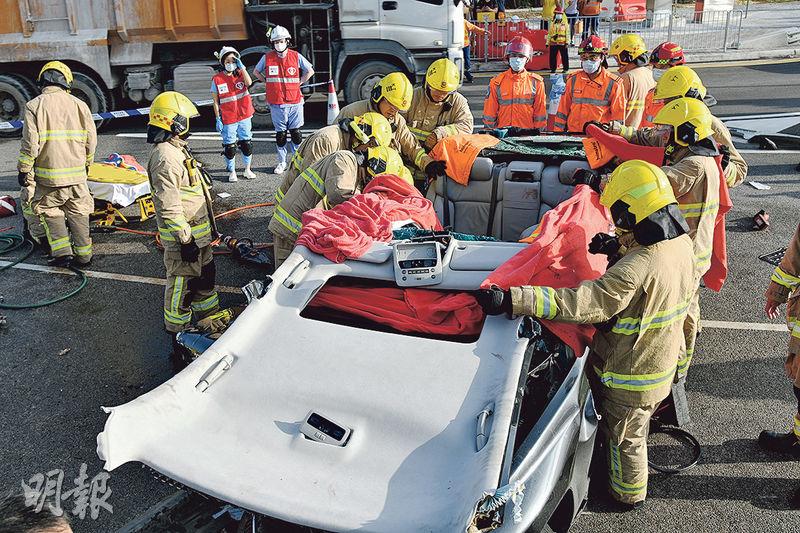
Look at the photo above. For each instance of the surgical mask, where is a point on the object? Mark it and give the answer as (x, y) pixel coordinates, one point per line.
(559, 18)
(657, 73)
(589, 66)
(230, 67)
(280, 47)
(517, 64)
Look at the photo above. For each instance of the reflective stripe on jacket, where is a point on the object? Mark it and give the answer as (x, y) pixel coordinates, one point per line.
(601, 99)
(282, 78)
(515, 99)
(637, 82)
(58, 139)
(558, 32)
(651, 109)
(443, 119)
(784, 287)
(736, 171)
(180, 196)
(235, 103)
(644, 296)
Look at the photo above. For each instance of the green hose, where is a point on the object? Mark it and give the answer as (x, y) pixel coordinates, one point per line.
(13, 241)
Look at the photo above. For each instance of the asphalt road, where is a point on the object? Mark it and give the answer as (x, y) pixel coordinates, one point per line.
(118, 350)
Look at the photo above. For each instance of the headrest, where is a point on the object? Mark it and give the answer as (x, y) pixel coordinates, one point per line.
(481, 169)
(568, 168)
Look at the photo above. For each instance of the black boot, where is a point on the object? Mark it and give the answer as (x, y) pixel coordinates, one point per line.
(780, 442)
(61, 261)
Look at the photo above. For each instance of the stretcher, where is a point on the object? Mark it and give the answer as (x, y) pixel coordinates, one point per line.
(115, 187)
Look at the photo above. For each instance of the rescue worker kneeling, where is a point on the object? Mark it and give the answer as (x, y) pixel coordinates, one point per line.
(183, 213)
(638, 306)
(330, 181)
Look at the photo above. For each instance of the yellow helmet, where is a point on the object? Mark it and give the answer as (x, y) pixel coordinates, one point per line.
(171, 111)
(371, 126)
(690, 120)
(397, 90)
(55, 72)
(678, 82)
(443, 75)
(636, 190)
(628, 47)
(383, 160)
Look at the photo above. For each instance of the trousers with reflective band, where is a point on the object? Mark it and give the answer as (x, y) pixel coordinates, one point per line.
(190, 289)
(64, 215)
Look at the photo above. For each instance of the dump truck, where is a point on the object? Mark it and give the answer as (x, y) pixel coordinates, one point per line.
(124, 53)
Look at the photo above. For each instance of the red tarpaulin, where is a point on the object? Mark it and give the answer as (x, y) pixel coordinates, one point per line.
(624, 150)
(718, 271)
(558, 257)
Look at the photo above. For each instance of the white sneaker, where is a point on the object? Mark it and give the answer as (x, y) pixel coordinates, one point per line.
(232, 177)
(280, 169)
(249, 174)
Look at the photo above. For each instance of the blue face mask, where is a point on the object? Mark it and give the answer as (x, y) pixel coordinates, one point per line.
(657, 73)
(230, 67)
(590, 67)
(517, 64)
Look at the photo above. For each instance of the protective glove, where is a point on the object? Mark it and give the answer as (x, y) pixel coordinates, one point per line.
(603, 126)
(239, 64)
(435, 169)
(605, 244)
(587, 176)
(190, 252)
(22, 179)
(494, 301)
(726, 156)
(219, 124)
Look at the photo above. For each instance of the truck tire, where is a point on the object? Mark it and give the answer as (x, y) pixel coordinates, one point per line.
(15, 91)
(363, 78)
(93, 94)
(251, 57)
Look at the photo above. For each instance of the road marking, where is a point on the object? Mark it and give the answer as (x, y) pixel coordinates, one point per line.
(747, 326)
(105, 275)
(746, 151)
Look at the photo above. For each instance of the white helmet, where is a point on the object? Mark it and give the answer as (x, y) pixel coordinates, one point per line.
(278, 32)
(225, 51)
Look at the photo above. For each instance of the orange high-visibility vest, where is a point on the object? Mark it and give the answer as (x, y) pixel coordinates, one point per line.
(515, 99)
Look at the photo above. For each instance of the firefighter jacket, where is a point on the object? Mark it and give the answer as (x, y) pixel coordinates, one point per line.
(642, 302)
(695, 181)
(784, 287)
(651, 109)
(558, 33)
(404, 141)
(330, 181)
(515, 99)
(637, 82)
(736, 171)
(58, 139)
(235, 103)
(322, 142)
(448, 117)
(601, 99)
(180, 196)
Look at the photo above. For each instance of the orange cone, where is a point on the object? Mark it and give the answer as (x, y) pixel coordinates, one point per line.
(333, 103)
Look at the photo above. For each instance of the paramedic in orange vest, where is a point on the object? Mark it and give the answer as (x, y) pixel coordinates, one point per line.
(630, 52)
(590, 13)
(516, 97)
(234, 109)
(665, 56)
(592, 93)
(283, 71)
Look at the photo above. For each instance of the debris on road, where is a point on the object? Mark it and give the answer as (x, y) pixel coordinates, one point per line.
(63, 352)
(758, 185)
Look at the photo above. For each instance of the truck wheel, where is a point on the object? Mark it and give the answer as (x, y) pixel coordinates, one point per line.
(251, 57)
(363, 78)
(15, 91)
(93, 94)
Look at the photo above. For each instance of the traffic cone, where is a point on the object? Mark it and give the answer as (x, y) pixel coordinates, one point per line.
(333, 103)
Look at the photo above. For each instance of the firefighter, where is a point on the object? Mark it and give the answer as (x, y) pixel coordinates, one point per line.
(592, 93)
(58, 143)
(283, 71)
(641, 300)
(684, 127)
(233, 108)
(630, 53)
(516, 97)
(332, 180)
(558, 39)
(665, 56)
(391, 95)
(183, 213)
(370, 129)
(437, 110)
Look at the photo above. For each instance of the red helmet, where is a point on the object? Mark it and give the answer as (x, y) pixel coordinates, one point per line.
(667, 53)
(593, 44)
(519, 45)
(558, 10)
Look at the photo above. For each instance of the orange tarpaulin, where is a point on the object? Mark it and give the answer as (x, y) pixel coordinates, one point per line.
(718, 271)
(459, 153)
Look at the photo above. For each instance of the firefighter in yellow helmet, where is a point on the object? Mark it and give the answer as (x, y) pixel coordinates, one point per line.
(632, 363)
(682, 81)
(371, 129)
(391, 95)
(58, 143)
(183, 213)
(332, 180)
(631, 54)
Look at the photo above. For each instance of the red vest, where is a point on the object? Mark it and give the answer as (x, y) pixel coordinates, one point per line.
(235, 103)
(282, 78)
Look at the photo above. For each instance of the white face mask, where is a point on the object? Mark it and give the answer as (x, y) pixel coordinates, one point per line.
(517, 64)
(590, 67)
(657, 73)
(230, 67)
(280, 47)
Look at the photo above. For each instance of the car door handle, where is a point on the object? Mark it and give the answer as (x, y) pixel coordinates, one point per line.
(389, 6)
